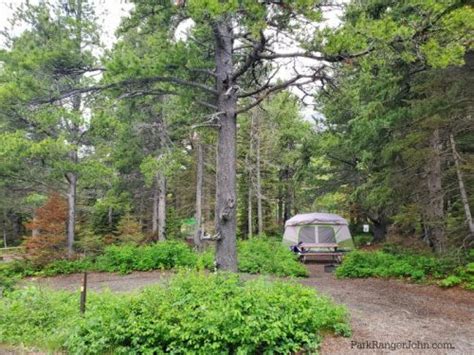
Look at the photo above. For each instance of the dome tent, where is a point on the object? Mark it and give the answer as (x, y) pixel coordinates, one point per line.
(318, 228)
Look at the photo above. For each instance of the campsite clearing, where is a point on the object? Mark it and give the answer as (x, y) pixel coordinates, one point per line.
(381, 310)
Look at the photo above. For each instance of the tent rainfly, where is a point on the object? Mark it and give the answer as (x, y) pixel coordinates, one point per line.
(318, 228)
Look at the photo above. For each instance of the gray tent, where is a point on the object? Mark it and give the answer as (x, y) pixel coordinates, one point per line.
(318, 228)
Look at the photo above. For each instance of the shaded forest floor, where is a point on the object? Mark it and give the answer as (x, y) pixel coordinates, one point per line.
(381, 310)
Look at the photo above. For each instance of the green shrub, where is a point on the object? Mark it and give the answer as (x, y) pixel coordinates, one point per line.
(67, 267)
(7, 284)
(191, 313)
(258, 255)
(211, 315)
(36, 317)
(463, 276)
(383, 264)
(267, 256)
(20, 268)
(162, 255)
(205, 260)
(450, 281)
(362, 240)
(397, 263)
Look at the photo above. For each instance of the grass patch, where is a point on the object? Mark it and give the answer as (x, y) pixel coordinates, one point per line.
(193, 312)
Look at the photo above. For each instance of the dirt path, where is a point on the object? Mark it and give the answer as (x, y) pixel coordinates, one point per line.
(386, 311)
(393, 311)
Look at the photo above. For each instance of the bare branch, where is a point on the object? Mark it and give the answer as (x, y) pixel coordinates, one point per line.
(295, 81)
(331, 59)
(129, 82)
(252, 57)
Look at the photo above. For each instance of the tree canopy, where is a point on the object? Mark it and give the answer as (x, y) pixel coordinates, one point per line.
(202, 131)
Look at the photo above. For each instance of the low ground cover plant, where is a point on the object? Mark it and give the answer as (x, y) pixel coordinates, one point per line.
(192, 312)
(396, 263)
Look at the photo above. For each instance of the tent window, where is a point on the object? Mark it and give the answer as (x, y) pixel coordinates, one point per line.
(307, 234)
(326, 235)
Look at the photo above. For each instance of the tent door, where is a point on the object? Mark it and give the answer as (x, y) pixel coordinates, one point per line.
(307, 234)
(326, 234)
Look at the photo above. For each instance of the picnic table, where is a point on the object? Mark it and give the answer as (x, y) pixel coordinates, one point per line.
(317, 250)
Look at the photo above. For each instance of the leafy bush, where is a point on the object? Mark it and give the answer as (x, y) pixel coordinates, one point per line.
(67, 267)
(362, 240)
(463, 276)
(6, 284)
(162, 255)
(267, 256)
(192, 312)
(258, 255)
(383, 264)
(36, 317)
(205, 260)
(402, 264)
(18, 268)
(450, 281)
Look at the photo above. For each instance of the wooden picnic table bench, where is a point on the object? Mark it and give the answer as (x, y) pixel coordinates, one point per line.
(315, 250)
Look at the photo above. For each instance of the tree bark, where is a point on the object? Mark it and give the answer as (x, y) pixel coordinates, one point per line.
(4, 225)
(161, 207)
(72, 177)
(435, 205)
(35, 231)
(288, 196)
(379, 228)
(71, 202)
(199, 179)
(226, 249)
(259, 180)
(110, 217)
(249, 212)
(16, 223)
(280, 220)
(462, 189)
(154, 218)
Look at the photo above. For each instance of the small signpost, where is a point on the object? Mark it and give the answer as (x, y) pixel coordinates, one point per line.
(83, 294)
(366, 228)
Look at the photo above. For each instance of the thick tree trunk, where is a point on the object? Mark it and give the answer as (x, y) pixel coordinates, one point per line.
(226, 249)
(462, 189)
(379, 228)
(199, 179)
(161, 207)
(259, 180)
(71, 202)
(435, 206)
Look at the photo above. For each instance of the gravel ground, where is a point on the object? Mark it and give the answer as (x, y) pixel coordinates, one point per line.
(391, 312)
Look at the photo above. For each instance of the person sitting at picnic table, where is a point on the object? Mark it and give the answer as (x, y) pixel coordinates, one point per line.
(298, 249)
